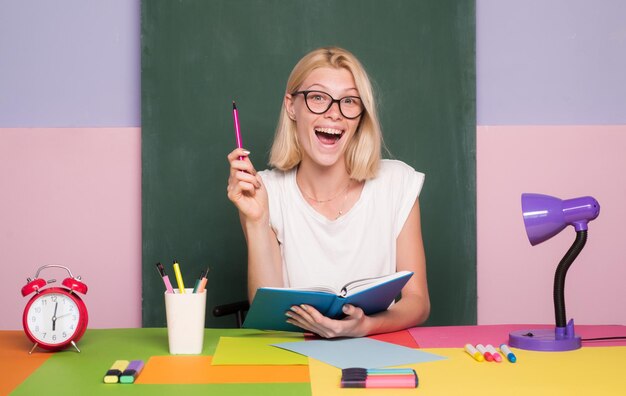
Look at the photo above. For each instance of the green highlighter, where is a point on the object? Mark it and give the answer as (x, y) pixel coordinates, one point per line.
(132, 372)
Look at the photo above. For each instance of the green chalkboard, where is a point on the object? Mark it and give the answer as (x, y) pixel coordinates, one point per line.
(199, 56)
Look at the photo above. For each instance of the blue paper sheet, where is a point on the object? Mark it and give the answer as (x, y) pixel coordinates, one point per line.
(359, 352)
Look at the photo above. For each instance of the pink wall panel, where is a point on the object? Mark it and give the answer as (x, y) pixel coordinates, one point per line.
(72, 197)
(515, 279)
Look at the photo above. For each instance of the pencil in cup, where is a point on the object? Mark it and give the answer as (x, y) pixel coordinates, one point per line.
(179, 278)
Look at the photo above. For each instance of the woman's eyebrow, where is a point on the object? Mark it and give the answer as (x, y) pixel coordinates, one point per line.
(325, 88)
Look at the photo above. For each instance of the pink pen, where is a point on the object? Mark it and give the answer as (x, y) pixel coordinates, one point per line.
(496, 356)
(237, 132)
(166, 279)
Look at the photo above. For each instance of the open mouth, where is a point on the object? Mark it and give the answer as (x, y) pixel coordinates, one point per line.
(328, 135)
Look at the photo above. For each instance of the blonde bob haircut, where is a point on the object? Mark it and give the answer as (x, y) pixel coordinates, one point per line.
(363, 153)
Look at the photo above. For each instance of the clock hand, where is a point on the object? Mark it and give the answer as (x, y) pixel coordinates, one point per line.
(54, 316)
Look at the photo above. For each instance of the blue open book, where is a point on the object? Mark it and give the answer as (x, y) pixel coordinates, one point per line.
(372, 295)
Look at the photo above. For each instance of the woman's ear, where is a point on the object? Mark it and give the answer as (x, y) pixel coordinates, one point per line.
(288, 103)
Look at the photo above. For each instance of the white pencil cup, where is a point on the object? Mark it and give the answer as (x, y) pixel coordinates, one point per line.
(185, 321)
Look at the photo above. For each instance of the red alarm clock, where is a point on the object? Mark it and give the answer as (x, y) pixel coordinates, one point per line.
(55, 317)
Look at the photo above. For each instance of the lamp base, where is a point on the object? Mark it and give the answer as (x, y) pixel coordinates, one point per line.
(559, 339)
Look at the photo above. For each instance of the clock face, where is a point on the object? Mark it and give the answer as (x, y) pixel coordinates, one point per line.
(53, 318)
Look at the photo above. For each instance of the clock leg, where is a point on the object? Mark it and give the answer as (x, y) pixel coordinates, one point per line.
(74, 344)
(33, 348)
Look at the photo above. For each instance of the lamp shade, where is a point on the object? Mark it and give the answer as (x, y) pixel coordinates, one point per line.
(546, 216)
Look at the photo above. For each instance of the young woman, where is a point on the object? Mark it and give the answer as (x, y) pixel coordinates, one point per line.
(331, 210)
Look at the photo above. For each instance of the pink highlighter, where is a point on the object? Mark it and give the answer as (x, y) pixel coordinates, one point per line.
(391, 381)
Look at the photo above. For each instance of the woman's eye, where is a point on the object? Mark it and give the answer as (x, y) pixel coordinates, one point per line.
(351, 101)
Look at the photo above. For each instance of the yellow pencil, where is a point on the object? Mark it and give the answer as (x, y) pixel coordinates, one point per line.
(179, 278)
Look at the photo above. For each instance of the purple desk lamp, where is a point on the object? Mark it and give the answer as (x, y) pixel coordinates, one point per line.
(544, 217)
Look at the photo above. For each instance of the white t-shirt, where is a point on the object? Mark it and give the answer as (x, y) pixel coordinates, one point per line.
(359, 244)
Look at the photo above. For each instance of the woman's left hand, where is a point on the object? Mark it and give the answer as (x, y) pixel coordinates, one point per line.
(310, 319)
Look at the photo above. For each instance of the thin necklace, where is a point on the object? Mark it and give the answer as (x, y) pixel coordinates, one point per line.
(345, 199)
(317, 201)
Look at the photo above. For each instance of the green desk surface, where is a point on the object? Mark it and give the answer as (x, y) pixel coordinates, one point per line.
(69, 372)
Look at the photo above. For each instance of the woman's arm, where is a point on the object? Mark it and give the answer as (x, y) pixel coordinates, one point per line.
(414, 306)
(247, 192)
(264, 260)
(412, 309)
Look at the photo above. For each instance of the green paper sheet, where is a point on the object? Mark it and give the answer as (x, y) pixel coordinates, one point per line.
(256, 351)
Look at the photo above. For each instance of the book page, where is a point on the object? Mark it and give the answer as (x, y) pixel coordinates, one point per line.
(322, 289)
(366, 283)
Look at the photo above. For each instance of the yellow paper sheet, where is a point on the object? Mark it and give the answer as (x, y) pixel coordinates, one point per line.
(586, 371)
(198, 370)
(256, 351)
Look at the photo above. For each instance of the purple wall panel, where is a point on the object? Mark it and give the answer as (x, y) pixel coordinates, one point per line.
(70, 63)
(550, 62)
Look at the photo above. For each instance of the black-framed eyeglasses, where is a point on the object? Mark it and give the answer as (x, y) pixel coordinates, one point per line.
(318, 102)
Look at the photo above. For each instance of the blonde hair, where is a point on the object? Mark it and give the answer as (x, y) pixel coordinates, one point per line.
(363, 153)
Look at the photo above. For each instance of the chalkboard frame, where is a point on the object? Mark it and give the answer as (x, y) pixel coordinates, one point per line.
(198, 56)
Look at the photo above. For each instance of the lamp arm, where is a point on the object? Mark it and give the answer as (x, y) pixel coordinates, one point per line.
(559, 276)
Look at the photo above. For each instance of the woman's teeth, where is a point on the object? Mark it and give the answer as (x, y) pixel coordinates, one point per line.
(328, 135)
(329, 131)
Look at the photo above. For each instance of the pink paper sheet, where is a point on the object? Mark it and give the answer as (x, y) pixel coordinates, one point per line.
(458, 336)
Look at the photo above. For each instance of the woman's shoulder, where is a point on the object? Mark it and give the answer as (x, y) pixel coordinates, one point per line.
(275, 177)
(397, 176)
(274, 174)
(393, 169)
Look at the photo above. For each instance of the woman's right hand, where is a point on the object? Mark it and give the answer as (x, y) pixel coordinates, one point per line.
(246, 189)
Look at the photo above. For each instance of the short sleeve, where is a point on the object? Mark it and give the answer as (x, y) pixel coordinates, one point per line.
(405, 185)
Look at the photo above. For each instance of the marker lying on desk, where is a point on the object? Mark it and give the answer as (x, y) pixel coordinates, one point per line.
(356, 377)
(507, 352)
(113, 374)
(179, 278)
(481, 348)
(166, 279)
(473, 352)
(132, 372)
(390, 371)
(494, 353)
